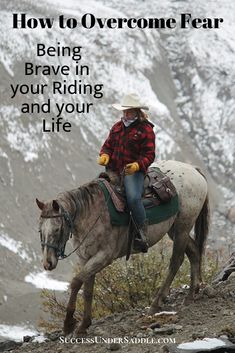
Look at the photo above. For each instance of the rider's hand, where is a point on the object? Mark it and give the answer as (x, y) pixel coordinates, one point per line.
(131, 168)
(103, 159)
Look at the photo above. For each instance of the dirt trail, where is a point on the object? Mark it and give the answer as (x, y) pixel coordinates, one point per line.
(211, 315)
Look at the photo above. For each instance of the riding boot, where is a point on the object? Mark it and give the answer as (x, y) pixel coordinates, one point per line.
(140, 241)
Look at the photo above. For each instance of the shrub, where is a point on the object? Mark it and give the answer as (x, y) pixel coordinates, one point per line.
(125, 285)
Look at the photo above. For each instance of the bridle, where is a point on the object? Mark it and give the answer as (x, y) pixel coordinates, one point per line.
(70, 223)
(66, 217)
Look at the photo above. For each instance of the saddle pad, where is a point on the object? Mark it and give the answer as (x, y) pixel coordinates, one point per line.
(118, 203)
(154, 215)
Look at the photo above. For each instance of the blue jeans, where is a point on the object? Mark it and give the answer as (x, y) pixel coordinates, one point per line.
(134, 186)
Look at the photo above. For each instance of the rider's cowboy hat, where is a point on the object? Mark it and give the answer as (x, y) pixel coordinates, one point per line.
(130, 101)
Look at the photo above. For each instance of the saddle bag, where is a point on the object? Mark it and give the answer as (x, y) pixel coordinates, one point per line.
(161, 185)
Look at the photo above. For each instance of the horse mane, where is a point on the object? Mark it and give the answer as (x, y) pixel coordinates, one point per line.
(82, 197)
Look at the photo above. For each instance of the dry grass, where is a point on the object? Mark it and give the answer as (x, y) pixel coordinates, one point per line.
(125, 285)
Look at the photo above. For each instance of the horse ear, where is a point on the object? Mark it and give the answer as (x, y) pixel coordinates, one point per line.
(40, 204)
(55, 205)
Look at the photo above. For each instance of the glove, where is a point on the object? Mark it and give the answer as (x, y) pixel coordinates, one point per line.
(103, 159)
(131, 168)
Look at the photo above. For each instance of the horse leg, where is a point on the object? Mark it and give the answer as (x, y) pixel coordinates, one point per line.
(70, 321)
(180, 243)
(87, 296)
(193, 255)
(93, 265)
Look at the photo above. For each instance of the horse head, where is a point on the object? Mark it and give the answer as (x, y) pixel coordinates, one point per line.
(55, 227)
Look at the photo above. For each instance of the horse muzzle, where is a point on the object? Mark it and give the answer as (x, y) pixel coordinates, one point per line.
(50, 261)
(48, 265)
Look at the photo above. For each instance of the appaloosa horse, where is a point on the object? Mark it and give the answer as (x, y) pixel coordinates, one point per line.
(83, 213)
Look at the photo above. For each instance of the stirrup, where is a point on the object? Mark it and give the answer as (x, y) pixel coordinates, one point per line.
(140, 240)
(140, 245)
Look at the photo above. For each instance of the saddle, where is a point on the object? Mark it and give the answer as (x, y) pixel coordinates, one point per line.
(158, 188)
(159, 197)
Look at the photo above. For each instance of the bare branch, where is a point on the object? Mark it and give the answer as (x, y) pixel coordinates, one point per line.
(226, 270)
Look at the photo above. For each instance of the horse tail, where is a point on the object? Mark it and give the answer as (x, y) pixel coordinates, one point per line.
(201, 228)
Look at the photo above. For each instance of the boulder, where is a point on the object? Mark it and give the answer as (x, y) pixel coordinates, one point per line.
(231, 215)
(9, 345)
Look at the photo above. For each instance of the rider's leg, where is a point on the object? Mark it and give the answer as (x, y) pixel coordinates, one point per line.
(134, 185)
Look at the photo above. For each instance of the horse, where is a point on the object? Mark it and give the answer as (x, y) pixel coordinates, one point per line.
(83, 214)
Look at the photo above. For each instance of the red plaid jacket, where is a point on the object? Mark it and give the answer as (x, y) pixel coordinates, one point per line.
(135, 143)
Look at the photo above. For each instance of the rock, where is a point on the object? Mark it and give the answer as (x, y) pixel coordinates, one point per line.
(54, 336)
(99, 332)
(27, 338)
(209, 291)
(144, 327)
(39, 339)
(114, 346)
(228, 330)
(225, 337)
(100, 321)
(231, 215)
(9, 345)
(177, 327)
(59, 350)
(164, 349)
(149, 332)
(25, 345)
(155, 325)
(196, 335)
(119, 318)
(228, 312)
(167, 330)
(140, 335)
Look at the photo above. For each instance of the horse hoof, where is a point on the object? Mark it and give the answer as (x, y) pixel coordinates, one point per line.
(80, 332)
(69, 326)
(82, 328)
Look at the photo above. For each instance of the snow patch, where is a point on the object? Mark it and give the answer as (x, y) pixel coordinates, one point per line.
(206, 343)
(166, 313)
(6, 63)
(40, 339)
(16, 332)
(67, 167)
(4, 155)
(15, 246)
(41, 280)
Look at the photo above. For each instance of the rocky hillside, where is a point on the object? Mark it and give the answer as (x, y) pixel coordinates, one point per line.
(208, 323)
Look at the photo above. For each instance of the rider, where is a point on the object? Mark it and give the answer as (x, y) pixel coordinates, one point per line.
(129, 150)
